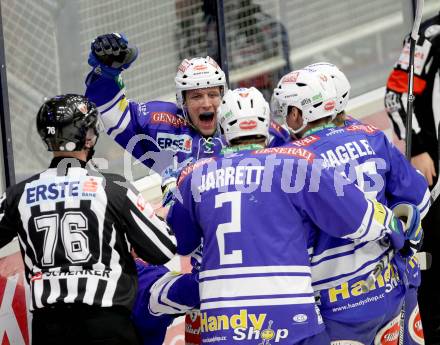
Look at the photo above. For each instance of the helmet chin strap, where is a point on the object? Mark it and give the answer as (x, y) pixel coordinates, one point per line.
(90, 153)
(91, 150)
(187, 118)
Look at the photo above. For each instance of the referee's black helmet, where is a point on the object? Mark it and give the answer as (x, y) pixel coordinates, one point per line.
(63, 122)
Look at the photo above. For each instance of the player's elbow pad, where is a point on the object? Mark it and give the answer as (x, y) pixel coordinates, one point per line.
(161, 301)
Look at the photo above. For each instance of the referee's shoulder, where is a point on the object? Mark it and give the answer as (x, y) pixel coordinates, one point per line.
(116, 182)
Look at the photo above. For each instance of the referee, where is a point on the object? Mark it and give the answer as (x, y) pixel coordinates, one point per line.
(75, 226)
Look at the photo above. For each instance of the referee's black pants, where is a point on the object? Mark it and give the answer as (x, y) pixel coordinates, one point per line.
(429, 295)
(82, 324)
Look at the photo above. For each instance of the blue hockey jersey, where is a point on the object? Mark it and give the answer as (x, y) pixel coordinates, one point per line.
(363, 154)
(254, 210)
(161, 296)
(155, 132)
(151, 328)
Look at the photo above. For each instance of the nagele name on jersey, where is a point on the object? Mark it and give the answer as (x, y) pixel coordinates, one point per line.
(351, 151)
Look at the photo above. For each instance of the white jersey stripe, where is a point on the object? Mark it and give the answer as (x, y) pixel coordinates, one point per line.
(98, 206)
(123, 125)
(54, 291)
(72, 290)
(336, 282)
(255, 286)
(348, 263)
(37, 292)
(374, 230)
(257, 302)
(159, 303)
(333, 251)
(107, 298)
(253, 270)
(424, 203)
(92, 285)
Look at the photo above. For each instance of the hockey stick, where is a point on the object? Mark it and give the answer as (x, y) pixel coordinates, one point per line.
(412, 47)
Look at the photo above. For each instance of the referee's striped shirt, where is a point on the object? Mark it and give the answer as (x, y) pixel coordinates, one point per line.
(75, 226)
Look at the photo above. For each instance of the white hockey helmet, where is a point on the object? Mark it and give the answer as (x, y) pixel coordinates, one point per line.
(310, 92)
(198, 73)
(342, 85)
(244, 112)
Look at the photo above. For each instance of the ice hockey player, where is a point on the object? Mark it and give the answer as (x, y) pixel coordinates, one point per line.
(164, 136)
(306, 99)
(342, 88)
(259, 206)
(411, 329)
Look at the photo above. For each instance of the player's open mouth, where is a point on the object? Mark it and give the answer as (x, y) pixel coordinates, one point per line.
(206, 117)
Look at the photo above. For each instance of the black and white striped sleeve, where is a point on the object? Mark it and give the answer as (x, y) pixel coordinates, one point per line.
(150, 236)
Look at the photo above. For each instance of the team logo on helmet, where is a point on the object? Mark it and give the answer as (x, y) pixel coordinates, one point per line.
(330, 105)
(184, 66)
(290, 78)
(200, 67)
(248, 125)
(323, 77)
(82, 107)
(212, 62)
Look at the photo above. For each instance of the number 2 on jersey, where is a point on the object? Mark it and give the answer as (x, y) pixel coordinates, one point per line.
(234, 198)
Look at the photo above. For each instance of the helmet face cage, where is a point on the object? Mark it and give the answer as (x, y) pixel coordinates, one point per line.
(63, 122)
(198, 73)
(311, 93)
(244, 113)
(341, 83)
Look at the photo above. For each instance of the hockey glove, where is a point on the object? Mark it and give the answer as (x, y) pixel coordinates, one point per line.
(168, 190)
(395, 234)
(410, 216)
(169, 183)
(110, 54)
